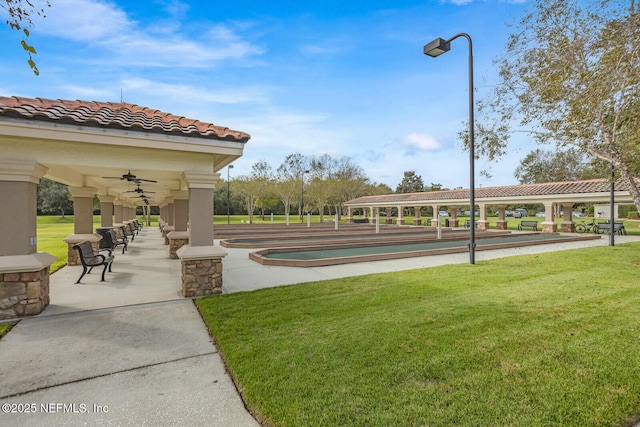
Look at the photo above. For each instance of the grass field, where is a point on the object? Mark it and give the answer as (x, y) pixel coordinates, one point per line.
(543, 340)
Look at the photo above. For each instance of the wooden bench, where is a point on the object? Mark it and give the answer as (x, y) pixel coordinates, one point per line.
(532, 224)
(90, 259)
(606, 228)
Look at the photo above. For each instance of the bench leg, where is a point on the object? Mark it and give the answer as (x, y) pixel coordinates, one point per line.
(84, 271)
(104, 270)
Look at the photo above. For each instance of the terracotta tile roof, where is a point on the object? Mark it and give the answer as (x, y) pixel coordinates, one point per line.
(524, 190)
(116, 116)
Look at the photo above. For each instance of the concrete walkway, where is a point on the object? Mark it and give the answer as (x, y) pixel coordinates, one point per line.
(132, 351)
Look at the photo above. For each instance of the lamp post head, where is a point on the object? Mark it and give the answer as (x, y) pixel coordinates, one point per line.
(230, 166)
(437, 47)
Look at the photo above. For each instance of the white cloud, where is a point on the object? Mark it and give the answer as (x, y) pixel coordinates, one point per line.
(104, 25)
(420, 142)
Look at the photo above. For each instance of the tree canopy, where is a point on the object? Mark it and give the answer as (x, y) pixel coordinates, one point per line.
(571, 77)
(411, 183)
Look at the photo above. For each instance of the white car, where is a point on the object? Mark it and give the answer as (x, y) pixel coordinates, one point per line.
(443, 213)
(541, 215)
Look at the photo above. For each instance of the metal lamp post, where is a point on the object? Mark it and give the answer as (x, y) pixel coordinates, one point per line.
(302, 195)
(228, 196)
(436, 48)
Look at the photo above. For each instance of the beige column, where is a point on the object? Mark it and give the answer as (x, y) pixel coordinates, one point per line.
(548, 225)
(389, 218)
(417, 217)
(82, 222)
(24, 272)
(349, 214)
(501, 223)
(82, 209)
(106, 210)
(18, 206)
(453, 222)
(400, 219)
(117, 211)
(169, 226)
(201, 260)
(436, 215)
(567, 225)
(179, 236)
(372, 216)
(483, 222)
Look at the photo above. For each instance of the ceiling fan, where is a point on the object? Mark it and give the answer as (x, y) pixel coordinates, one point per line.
(129, 177)
(139, 190)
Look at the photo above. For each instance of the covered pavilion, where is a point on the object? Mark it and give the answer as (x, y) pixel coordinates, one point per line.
(553, 194)
(125, 154)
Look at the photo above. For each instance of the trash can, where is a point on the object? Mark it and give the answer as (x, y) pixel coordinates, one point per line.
(446, 222)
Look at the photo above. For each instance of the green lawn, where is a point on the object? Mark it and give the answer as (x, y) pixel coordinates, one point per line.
(542, 340)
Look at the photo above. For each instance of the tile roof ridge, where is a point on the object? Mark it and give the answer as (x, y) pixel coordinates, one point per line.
(117, 114)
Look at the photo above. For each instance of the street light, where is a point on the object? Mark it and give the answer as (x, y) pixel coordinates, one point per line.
(436, 48)
(228, 194)
(302, 195)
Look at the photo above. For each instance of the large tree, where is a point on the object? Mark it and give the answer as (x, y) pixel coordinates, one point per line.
(20, 18)
(549, 166)
(571, 77)
(411, 183)
(53, 198)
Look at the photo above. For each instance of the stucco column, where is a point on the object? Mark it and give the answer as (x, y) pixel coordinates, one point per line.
(453, 222)
(349, 214)
(117, 211)
(169, 226)
(201, 260)
(179, 236)
(18, 206)
(548, 225)
(501, 223)
(400, 219)
(82, 222)
(106, 210)
(567, 225)
(372, 217)
(82, 209)
(483, 222)
(389, 216)
(436, 215)
(24, 273)
(417, 217)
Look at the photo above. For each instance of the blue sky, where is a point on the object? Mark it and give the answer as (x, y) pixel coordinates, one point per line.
(347, 78)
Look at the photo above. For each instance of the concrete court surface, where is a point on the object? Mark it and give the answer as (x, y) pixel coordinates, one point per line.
(131, 350)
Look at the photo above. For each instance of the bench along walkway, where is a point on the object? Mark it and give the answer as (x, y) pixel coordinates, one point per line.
(532, 224)
(605, 228)
(90, 259)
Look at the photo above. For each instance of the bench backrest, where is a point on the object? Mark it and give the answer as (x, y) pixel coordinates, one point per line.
(529, 223)
(86, 250)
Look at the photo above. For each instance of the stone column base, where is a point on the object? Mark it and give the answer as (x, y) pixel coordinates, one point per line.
(454, 222)
(389, 221)
(73, 239)
(400, 221)
(23, 290)
(177, 239)
(549, 227)
(201, 270)
(482, 224)
(417, 221)
(501, 224)
(165, 231)
(567, 227)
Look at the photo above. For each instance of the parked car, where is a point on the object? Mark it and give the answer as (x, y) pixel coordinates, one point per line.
(520, 213)
(577, 214)
(541, 215)
(444, 213)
